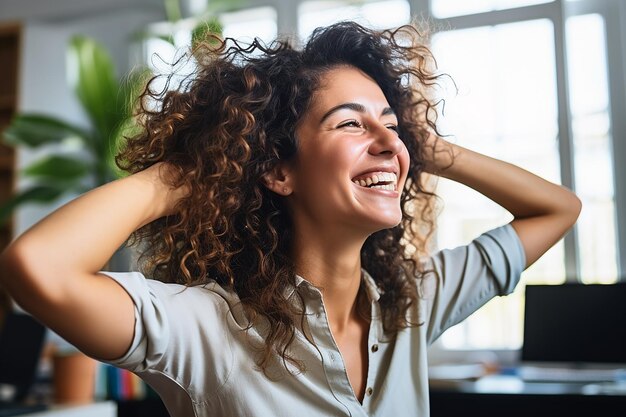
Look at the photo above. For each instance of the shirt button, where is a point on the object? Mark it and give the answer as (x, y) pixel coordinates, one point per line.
(374, 347)
(369, 391)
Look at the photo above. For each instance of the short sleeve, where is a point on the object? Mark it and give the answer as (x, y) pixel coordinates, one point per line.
(178, 331)
(152, 326)
(459, 281)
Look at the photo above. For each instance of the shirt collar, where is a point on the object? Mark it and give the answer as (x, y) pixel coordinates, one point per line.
(373, 294)
(371, 287)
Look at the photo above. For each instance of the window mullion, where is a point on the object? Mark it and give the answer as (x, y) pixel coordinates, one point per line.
(286, 16)
(566, 146)
(495, 17)
(616, 50)
(421, 8)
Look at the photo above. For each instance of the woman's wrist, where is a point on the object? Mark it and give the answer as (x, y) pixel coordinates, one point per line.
(158, 178)
(439, 155)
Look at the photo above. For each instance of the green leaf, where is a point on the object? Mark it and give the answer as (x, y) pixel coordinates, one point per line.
(172, 10)
(167, 38)
(143, 34)
(35, 194)
(92, 75)
(220, 6)
(130, 90)
(57, 167)
(203, 29)
(34, 130)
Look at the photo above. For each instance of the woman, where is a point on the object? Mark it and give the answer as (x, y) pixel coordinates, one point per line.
(282, 197)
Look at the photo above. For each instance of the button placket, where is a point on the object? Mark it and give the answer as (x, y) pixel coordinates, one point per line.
(332, 362)
(373, 355)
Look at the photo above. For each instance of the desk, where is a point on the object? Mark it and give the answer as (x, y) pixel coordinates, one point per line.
(99, 409)
(509, 396)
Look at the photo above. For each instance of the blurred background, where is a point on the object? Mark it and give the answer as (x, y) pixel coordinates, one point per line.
(539, 83)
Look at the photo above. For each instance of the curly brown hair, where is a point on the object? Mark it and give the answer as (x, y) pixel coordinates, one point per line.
(230, 123)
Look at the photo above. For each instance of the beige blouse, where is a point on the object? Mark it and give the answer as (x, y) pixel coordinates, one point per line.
(190, 347)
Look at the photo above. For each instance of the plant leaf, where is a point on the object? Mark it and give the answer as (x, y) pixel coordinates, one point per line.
(35, 194)
(220, 6)
(210, 26)
(143, 34)
(57, 167)
(33, 130)
(172, 10)
(167, 38)
(129, 92)
(92, 75)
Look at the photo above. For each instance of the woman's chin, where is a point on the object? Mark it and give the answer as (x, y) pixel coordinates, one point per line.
(382, 223)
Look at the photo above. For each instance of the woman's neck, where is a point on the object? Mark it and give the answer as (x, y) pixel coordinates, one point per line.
(334, 267)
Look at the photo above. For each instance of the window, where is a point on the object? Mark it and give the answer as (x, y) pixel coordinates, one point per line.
(247, 24)
(449, 8)
(589, 103)
(506, 56)
(508, 107)
(378, 14)
(165, 51)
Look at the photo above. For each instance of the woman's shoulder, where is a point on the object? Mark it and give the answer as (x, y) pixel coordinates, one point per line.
(206, 293)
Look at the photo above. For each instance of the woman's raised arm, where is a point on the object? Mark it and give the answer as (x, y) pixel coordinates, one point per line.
(52, 269)
(543, 211)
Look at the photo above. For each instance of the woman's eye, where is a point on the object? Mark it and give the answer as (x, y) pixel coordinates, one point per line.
(351, 123)
(393, 127)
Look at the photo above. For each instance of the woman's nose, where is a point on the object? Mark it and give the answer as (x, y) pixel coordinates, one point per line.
(385, 141)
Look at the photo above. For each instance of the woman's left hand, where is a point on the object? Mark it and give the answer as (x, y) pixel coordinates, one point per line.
(543, 211)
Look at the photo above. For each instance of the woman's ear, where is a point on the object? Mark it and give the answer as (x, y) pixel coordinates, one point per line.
(280, 179)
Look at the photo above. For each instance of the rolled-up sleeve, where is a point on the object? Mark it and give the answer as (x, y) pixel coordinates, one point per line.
(459, 281)
(152, 327)
(178, 331)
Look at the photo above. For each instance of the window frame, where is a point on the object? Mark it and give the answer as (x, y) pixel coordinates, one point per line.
(558, 11)
(613, 12)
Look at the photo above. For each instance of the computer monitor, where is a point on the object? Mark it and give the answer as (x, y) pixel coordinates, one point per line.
(575, 324)
(21, 341)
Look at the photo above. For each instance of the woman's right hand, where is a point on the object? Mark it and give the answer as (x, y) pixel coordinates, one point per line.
(160, 176)
(52, 269)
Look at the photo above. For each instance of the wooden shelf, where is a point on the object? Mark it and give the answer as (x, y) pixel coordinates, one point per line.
(7, 102)
(5, 228)
(10, 44)
(7, 161)
(6, 164)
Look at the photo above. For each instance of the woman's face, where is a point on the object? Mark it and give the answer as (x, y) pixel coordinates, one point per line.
(351, 166)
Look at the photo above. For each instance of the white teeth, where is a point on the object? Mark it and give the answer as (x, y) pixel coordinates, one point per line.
(389, 187)
(372, 181)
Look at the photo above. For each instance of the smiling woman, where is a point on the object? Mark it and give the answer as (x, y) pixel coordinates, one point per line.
(280, 194)
(355, 141)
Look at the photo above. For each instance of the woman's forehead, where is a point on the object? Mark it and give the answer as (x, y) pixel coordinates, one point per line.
(347, 84)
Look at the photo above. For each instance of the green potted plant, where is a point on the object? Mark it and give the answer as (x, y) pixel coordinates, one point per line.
(106, 100)
(199, 23)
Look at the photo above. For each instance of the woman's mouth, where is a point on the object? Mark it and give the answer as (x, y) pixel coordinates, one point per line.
(378, 180)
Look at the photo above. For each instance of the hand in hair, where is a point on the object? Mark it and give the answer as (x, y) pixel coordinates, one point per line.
(52, 270)
(543, 211)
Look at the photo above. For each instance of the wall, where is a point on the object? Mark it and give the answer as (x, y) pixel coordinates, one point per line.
(47, 28)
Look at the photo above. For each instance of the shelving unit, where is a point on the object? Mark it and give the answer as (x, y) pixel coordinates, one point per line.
(10, 39)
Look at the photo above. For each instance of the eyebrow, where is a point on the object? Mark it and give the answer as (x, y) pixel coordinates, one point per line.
(353, 106)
